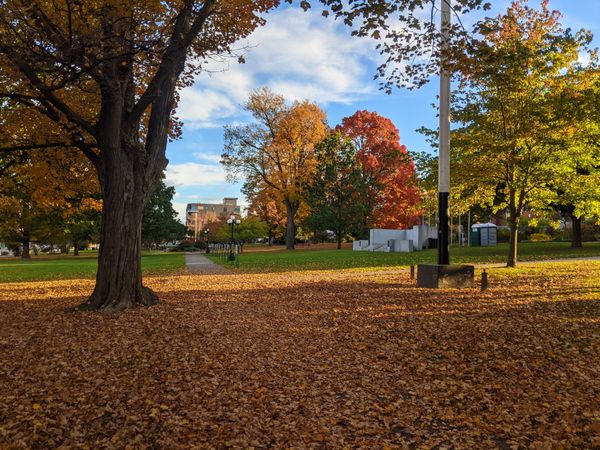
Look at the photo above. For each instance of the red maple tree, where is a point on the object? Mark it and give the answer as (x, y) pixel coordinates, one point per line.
(395, 201)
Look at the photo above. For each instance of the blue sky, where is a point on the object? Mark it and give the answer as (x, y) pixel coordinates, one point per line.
(302, 55)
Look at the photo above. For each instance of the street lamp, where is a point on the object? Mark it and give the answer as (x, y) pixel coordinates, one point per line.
(232, 221)
(206, 240)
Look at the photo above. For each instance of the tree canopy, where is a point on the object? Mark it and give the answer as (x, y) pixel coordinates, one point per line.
(509, 149)
(42, 196)
(278, 150)
(394, 198)
(337, 194)
(407, 34)
(102, 77)
(160, 223)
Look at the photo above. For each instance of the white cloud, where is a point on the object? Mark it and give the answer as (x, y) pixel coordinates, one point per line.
(207, 157)
(299, 55)
(195, 174)
(200, 108)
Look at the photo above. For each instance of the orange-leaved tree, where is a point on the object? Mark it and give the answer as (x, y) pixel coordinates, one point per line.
(394, 200)
(263, 203)
(43, 196)
(105, 75)
(278, 151)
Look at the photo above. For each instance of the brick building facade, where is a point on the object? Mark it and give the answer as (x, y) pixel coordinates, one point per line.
(198, 215)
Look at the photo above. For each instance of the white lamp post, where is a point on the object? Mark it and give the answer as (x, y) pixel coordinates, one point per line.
(206, 240)
(232, 221)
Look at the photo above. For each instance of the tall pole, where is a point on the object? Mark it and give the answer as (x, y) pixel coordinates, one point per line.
(469, 229)
(444, 152)
(231, 221)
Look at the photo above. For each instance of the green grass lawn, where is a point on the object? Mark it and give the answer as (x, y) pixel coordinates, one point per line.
(83, 266)
(277, 261)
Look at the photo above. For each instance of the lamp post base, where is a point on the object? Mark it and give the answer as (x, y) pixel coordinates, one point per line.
(440, 276)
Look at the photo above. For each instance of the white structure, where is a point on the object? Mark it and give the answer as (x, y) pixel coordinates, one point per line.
(360, 245)
(396, 240)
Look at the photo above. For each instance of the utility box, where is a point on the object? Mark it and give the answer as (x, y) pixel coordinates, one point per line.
(484, 235)
(440, 276)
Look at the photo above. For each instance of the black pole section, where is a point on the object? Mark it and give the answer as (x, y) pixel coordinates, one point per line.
(443, 228)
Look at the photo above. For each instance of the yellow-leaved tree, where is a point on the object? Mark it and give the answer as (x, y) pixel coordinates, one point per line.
(277, 152)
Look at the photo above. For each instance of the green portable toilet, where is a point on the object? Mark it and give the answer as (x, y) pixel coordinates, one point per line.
(475, 237)
(486, 234)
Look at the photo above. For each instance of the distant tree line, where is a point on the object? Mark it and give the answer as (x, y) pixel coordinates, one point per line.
(55, 202)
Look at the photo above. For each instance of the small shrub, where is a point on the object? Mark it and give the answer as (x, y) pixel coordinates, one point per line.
(503, 234)
(186, 246)
(540, 237)
(590, 230)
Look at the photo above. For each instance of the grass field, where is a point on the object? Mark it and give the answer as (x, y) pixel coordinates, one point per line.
(72, 267)
(278, 261)
(56, 267)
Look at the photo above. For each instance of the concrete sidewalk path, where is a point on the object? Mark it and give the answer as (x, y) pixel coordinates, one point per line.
(199, 264)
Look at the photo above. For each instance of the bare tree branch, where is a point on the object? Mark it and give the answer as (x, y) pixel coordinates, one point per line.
(27, 147)
(181, 38)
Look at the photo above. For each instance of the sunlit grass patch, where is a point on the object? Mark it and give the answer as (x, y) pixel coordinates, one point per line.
(281, 261)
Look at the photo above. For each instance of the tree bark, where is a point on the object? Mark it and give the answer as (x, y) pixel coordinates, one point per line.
(576, 239)
(119, 277)
(514, 238)
(75, 248)
(290, 231)
(339, 239)
(26, 250)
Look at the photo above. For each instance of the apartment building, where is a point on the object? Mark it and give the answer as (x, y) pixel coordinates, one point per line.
(198, 215)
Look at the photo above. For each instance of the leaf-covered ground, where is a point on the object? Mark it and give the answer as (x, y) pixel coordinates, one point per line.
(307, 359)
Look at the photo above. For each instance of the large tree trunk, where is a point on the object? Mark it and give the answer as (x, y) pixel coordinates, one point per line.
(290, 231)
(119, 277)
(576, 240)
(513, 222)
(75, 248)
(26, 250)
